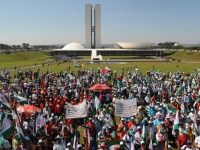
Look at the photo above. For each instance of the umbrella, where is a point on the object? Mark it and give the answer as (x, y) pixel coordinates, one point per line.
(99, 87)
(29, 109)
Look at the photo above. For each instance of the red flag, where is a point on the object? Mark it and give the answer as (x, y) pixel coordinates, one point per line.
(43, 84)
(151, 100)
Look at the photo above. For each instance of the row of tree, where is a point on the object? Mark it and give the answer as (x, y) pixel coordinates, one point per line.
(171, 45)
(23, 46)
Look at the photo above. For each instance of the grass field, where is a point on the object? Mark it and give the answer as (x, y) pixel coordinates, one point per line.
(143, 67)
(187, 56)
(22, 59)
(30, 58)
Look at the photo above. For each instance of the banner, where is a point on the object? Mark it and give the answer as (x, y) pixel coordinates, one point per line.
(76, 111)
(126, 108)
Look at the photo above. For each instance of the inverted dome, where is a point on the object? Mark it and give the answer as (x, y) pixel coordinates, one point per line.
(72, 46)
(133, 45)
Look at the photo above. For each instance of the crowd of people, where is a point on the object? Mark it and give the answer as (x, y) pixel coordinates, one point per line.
(167, 116)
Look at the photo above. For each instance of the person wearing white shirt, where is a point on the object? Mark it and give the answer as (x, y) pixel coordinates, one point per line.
(129, 139)
(188, 146)
(197, 142)
(138, 137)
(60, 144)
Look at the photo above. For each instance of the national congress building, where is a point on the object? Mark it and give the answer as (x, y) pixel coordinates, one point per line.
(93, 44)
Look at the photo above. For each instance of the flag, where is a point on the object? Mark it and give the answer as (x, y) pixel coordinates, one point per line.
(188, 89)
(75, 142)
(114, 145)
(43, 83)
(195, 130)
(196, 102)
(20, 99)
(4, 102)
(151, 144)
(118, 83)
(2, 143)
(97, 103)
(39, 121)
(170, 108)
(19, 127)
(144, 130)
(71, 76)
(166, 142)
(5, 125)
(151, 135)
(77, 64)
(175, 130)
(71, 129)
(87, 136)
(151, 100)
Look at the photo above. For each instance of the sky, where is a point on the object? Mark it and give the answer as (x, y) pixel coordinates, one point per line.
(45, 22)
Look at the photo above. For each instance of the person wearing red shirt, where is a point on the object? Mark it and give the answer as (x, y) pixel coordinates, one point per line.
(48, 127)
(51, 105)
(183, 138)
(198, 107)
(53, 125)
(92, 129)
(122, 128)
(131, 124)
(58, 108)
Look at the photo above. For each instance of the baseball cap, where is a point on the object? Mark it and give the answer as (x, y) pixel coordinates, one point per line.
(79, 146)
(121, 143)
(69, 144)
(154, 144)
(122, 119)
(189, 142)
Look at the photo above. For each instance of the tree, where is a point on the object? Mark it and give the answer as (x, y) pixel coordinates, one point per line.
(18, 46)
(25, 45)
(14, 46)
(2, 46)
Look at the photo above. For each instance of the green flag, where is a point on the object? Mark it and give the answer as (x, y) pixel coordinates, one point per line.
(4, 102)
(170, 108)
(19, 127)
(175, 130)
(5, 126)
(118, 83)
(20, 99)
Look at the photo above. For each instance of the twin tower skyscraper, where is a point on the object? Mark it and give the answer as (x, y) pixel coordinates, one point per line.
(93, 26)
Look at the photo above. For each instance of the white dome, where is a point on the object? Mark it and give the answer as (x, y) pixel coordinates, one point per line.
(72, 46)
(130, 45)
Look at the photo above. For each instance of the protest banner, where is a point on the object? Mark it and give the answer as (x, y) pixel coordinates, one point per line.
(76, 111)
(126, 108)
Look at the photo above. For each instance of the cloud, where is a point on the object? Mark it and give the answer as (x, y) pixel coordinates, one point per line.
(74, 15)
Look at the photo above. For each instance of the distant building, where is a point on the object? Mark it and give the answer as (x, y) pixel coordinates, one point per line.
(93, 46)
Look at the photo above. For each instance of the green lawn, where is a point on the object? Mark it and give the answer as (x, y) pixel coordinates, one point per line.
(187, 56)
(143, 67)
(22, 59)
(29, 58)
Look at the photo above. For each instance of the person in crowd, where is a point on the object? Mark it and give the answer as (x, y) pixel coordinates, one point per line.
(163, 100)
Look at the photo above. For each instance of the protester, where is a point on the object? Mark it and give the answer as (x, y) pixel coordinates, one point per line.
(62, 104)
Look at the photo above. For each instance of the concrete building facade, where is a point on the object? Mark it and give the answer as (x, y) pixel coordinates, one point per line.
(88, 25)
(93, 26)
(97, 26)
